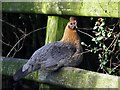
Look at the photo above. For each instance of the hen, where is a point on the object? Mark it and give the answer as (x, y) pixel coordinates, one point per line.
(51, 57)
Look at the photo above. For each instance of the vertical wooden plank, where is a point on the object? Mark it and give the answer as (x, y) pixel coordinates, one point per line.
(55, 28)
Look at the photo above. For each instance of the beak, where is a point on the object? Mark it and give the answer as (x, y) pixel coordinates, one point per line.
(75, 26)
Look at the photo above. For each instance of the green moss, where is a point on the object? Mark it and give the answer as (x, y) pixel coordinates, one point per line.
(76, 78)
(68, 76)
(83, 8)
(9, 66)
(101, 9)
(61, 8)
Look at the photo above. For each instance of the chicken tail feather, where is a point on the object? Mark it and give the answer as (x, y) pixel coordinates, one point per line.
(20, 74)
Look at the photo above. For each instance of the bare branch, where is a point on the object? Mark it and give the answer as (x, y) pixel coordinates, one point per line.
(87, 29)
(114, 41)
(25, 35)
(6, 43)
(12, 26)
(86, 33)
(87, 51)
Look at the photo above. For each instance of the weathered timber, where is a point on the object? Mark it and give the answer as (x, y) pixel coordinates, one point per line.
(68, 76)
(99, 8)
(11, 65)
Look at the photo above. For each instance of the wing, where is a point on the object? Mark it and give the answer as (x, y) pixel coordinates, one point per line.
(59, 54)
(50, 55)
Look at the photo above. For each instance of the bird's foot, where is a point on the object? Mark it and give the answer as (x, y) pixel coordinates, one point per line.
(43, 76)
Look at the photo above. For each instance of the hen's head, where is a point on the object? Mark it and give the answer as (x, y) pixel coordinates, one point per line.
(70, 32)
(72, 24)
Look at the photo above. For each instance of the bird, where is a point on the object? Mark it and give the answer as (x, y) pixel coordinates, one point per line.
(53, 56)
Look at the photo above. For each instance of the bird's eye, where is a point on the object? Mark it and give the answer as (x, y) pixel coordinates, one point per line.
(71, 23)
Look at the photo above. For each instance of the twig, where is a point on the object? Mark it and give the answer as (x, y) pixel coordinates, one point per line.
(25, 35)
(90, 51)
(88, 29)
(86, 33)
(12, 26)
(98, 69)
(114, 41)
(110, 62)
(117, 57)
(105, 71)
(6, 43)
(21, 45)
(116, 67)
(111, 43)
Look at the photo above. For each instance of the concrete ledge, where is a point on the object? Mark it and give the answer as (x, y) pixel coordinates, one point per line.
(67, 76)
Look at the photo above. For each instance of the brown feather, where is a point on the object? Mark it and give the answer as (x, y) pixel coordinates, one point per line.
(71, 36)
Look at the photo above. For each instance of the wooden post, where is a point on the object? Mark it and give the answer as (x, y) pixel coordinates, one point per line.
(55, 28)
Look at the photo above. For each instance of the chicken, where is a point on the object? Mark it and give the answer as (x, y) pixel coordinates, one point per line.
(53, 56)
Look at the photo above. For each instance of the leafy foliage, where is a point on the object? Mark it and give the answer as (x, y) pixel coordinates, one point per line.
(108, 54)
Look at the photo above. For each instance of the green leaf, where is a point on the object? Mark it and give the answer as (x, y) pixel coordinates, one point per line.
(104, 62)
(94, 39)
(95, 27)
(99, 55)
(103, 23)
(101, 66)
(101, 28)
(119, 43)
(82, 43)
(103, 33)
(98, 33)
(110, 70)
(100, 38)
(109, 34)
(104, 46)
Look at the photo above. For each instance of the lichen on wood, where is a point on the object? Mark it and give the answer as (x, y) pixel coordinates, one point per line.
(68, 76)
(99, 8)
